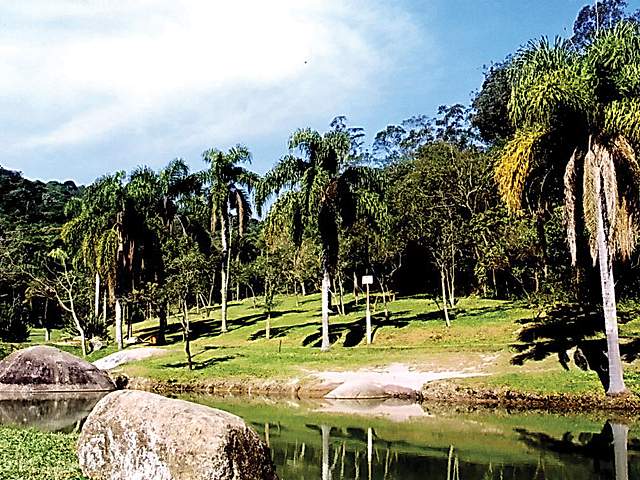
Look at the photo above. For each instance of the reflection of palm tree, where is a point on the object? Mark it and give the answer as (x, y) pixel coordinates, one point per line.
(610, 445)
(620, 434)
(326, 471)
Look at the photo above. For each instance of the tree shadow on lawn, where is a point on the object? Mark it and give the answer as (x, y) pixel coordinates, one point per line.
(210, 327)
(568, 326)
(201, 365)
(354, 332)
(279, 332)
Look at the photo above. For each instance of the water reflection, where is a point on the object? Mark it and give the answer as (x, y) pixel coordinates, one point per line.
(308, 442)
(61, 412)
(608, 450)
(333, 441)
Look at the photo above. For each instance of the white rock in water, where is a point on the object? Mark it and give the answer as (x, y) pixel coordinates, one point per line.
(143, 436)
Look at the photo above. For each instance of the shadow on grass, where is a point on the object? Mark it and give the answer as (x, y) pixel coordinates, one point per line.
(205, 328)
(572, 326)
(202, 365)
(355, 332)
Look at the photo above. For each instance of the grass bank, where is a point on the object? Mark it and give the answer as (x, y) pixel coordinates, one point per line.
(480, 341)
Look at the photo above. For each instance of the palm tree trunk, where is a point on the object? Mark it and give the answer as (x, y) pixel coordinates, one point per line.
(616, 382)
(104, 307)
(97, 297)
(119, 339)
(223, 271)
(326, 282)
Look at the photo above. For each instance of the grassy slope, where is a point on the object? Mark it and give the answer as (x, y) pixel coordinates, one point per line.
(480, 335)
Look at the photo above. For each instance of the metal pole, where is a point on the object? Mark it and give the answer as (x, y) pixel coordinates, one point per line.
(368, 318)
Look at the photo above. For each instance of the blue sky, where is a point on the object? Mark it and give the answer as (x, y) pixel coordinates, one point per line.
(93, 86)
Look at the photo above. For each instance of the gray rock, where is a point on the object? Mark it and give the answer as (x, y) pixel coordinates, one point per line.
(356, 390)
(126, 356)
(45, 369)
(144, 436)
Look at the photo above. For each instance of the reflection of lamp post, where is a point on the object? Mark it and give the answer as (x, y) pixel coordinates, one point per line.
(369, 443)
(620, 459)
(326, 472)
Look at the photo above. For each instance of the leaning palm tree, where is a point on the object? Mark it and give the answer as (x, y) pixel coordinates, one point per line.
(578, 112)
(229, 184)
(323, 190)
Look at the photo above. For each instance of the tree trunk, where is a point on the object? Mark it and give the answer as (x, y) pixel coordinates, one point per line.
(355, 288)
(223, 271)
(268, 326)
(444, 298)
(45, 321)
(76, 320)
(341, 295)
(304, 289)
(104, 307)
(119, 339)
(186, 333)
(295, 293)
(616, 382)
(97, 298)
(162, 324)
(326, 282)
(452, 284)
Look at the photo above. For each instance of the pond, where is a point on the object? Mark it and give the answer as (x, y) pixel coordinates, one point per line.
(393, 440)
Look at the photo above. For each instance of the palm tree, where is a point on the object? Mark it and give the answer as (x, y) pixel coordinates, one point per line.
(578, 111)
(324, 189)
(229, 185)
(156, 199)
(94, 231)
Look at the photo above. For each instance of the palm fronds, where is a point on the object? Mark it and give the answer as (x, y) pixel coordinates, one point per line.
(515, 163)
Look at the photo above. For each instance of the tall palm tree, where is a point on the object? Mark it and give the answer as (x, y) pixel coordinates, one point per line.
(578, 112)
(95, 232)
(323, 189)
(229, 185)
(155, 198)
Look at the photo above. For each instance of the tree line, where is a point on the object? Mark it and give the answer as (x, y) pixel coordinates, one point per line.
(531, 191)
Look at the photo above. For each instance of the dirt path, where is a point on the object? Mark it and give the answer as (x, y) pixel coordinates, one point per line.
(398, 374)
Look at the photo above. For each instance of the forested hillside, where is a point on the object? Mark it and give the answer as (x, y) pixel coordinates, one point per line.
(31, 215)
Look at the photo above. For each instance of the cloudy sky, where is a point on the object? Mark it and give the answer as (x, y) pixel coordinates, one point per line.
(92, 86)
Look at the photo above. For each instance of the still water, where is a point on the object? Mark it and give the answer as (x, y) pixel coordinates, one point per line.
(402, 441)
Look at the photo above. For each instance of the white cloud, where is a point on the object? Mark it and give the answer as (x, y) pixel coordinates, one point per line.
(76, 72)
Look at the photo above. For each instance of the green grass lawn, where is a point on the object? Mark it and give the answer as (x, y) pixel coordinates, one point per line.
(33, 455)
(481, 338)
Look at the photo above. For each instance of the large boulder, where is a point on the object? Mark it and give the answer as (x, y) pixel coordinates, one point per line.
(44, 369)
(144, 436)
(367, 390)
